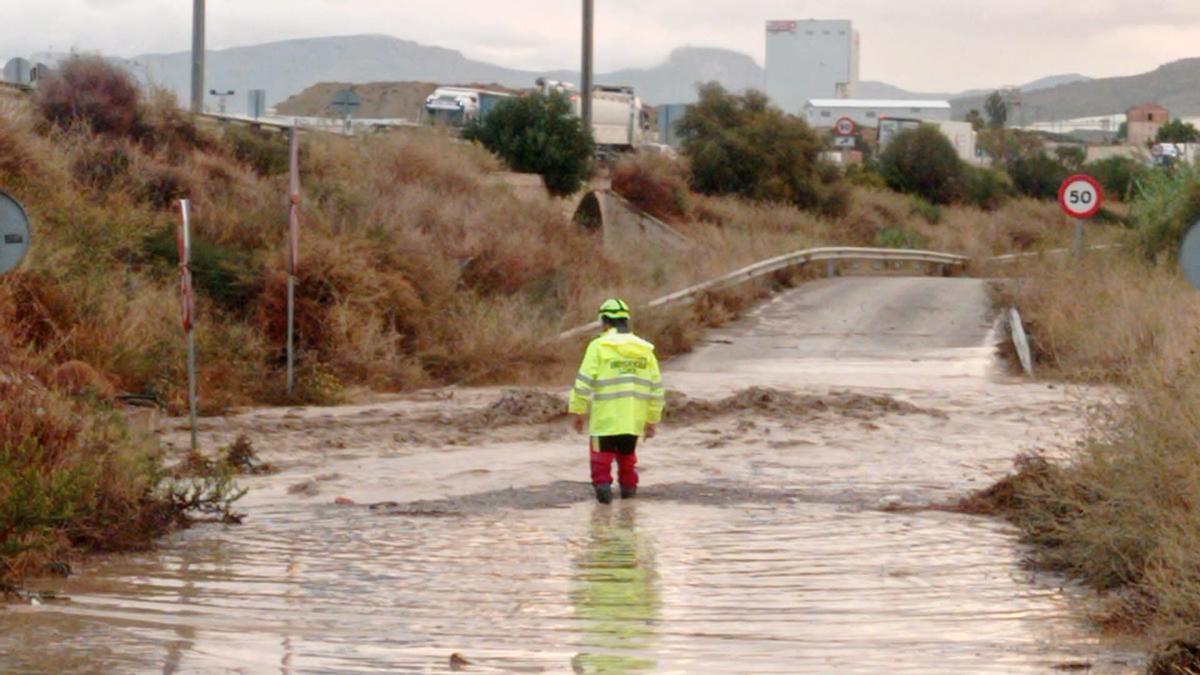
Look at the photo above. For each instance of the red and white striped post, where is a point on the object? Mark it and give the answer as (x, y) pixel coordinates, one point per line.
(187, 303)
(293, 249)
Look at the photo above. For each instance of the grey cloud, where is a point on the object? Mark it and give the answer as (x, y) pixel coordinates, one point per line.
(922, 44)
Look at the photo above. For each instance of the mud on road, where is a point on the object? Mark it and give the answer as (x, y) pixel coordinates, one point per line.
(771, 532)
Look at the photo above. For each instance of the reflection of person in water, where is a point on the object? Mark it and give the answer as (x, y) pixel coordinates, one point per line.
(616, 596)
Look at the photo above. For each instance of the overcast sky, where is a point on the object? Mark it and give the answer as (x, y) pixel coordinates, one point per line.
(921, 45)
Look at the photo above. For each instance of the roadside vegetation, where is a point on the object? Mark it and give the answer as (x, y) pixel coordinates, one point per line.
(536, 133)
(1122, 513)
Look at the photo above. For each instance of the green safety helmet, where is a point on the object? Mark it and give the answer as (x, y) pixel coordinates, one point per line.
(614, 308)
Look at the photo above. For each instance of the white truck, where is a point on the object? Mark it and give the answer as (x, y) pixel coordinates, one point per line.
(619, 121)
(459, 106)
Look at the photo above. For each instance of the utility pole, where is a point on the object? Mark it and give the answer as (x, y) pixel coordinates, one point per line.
(197, 56)
(586, 75)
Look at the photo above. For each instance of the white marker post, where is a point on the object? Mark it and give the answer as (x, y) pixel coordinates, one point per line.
(1080, 197)
(187, 304)
(293, 250)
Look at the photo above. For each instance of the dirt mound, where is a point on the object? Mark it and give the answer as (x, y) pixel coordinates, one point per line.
(778, 403)
(517, 406)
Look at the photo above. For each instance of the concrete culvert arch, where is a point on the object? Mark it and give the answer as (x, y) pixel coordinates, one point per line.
(608, 212)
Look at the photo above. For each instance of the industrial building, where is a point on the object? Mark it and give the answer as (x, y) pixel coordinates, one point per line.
(1144, 121)
(824, 112)
(669, 115)
(810, 60)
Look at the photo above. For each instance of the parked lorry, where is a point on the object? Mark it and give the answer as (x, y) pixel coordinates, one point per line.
(459, 106)
(619, 120)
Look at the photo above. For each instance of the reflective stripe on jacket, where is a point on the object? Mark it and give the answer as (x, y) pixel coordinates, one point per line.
(620, 383)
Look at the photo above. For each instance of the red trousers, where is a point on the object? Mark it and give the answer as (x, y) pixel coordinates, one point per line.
(602, 467)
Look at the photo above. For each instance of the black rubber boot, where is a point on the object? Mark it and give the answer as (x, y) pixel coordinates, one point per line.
(628, 492)
(604, 494)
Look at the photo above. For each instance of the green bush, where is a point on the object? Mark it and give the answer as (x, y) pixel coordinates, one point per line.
(227, 275)
(266, 152)
(1121, 177)
(538, 134)
(931, 213)
(1037, 175)
(741, 145)
(1167, 205)
(865, 175)
(987, 189)
(898, 237)
(923, 162)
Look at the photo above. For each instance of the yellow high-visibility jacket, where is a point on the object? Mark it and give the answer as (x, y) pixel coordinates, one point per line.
(620, 382)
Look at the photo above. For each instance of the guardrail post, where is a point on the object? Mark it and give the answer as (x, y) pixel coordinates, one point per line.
(830, 270)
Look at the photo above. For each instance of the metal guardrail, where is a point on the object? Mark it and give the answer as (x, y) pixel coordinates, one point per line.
(1015, 257)
(328, 125)
(788, 260)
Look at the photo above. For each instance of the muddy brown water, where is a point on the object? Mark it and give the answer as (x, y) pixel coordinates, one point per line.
(762, 540)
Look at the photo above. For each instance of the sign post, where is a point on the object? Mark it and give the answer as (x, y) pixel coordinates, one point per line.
(345, 103)
(1189, 255)
(293, 249)
(14, 233)
(1080, 197)
(187, 304)
(844, 127)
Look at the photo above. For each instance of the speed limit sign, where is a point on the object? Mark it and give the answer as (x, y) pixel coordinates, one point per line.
(845, 127)
(1080, 196)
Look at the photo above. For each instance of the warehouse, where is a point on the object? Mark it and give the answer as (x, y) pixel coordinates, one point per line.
(824, 112)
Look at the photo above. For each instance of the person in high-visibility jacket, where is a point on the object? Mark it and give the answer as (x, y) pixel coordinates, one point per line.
(620, 392)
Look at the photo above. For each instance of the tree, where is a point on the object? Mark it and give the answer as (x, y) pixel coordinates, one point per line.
(1121, 177)
(1178, 131)
(922, 161)
(976, 119)
(739, 144)
(997, 110)
(539, 134)
(1071, 156)
(1037, 175)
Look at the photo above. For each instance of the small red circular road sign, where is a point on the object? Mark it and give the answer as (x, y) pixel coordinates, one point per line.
(845, 127)
(1080, 196)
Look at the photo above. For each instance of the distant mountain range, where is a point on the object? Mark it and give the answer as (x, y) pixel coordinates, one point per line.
(1175, 85)
(287, 68)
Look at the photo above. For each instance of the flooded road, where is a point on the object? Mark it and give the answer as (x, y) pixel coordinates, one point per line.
(761, 541)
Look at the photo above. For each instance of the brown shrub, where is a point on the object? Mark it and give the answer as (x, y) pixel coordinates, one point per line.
(36, 311)
(18, 162)
(88, 90)
(654, 184)
(76, 378)
(103, 163)
(163, 186)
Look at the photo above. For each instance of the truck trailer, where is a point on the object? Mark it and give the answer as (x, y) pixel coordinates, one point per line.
(459, 106)
(619, 120)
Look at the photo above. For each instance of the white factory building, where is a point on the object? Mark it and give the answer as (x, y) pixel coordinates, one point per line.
(824, 112)
(809, 59)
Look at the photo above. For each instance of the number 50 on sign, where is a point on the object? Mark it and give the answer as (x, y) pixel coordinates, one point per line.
(1080, 196)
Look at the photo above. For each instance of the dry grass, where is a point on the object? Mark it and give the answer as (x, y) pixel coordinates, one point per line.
(1106, 317)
